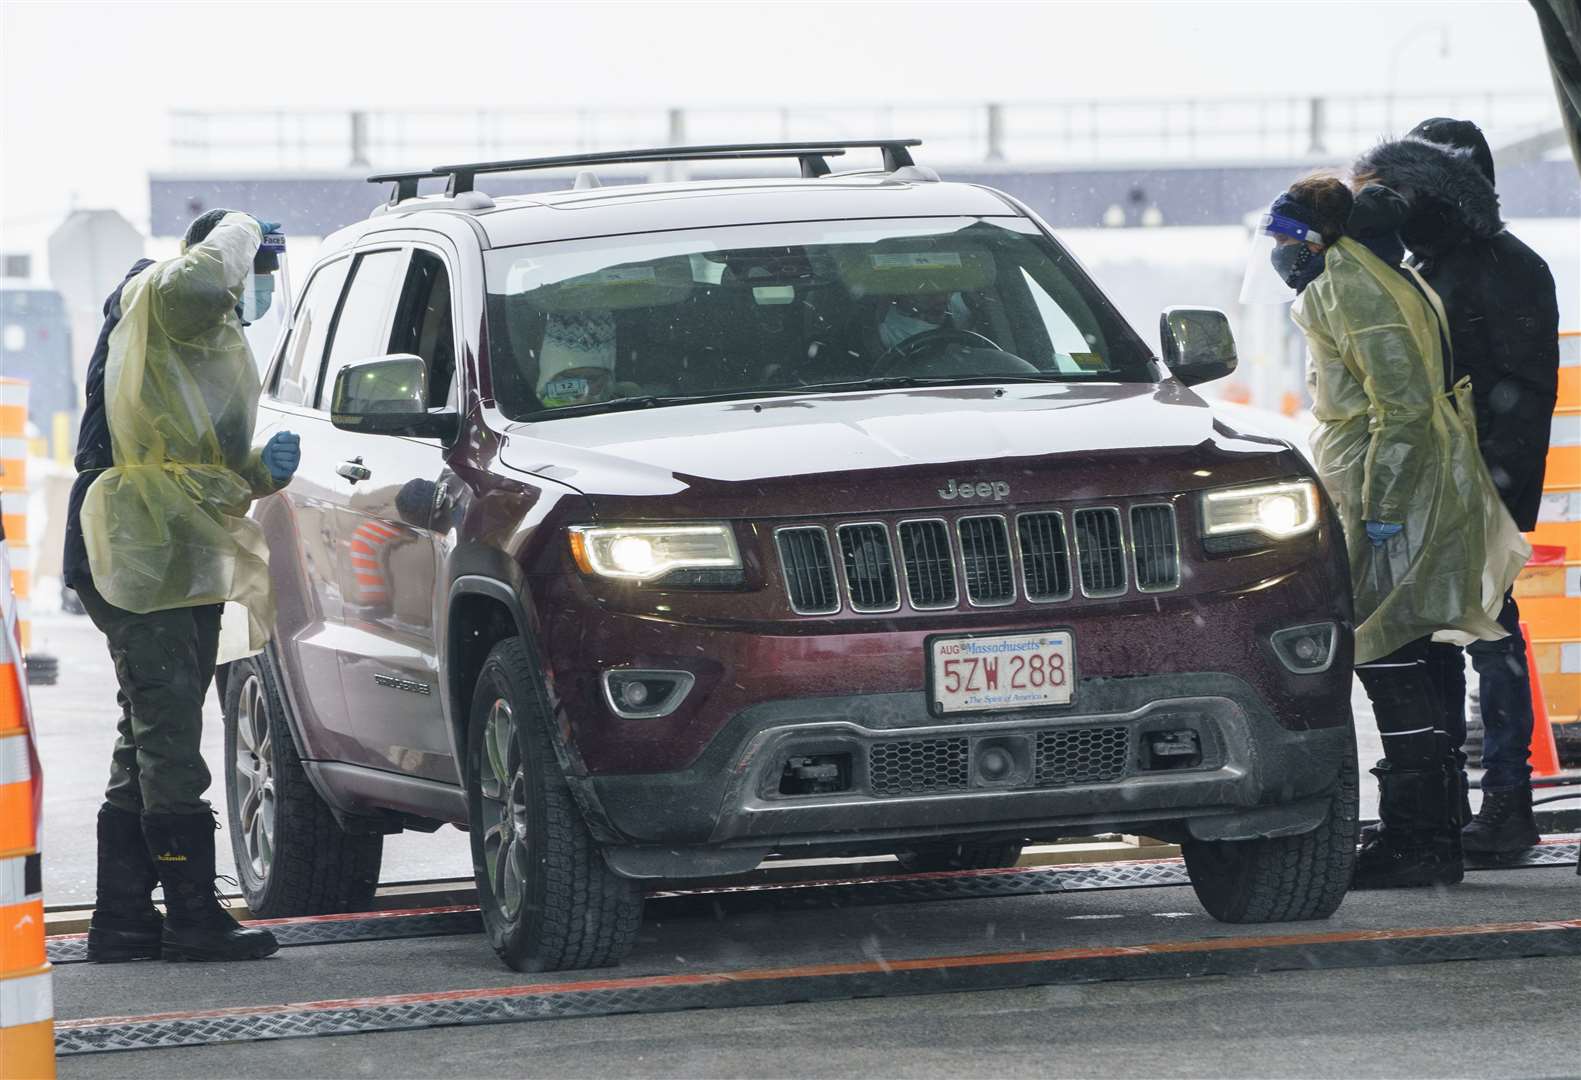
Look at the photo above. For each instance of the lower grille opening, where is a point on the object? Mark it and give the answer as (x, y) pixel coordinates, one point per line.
(918, 766)
(1092, 755)
(816, 774)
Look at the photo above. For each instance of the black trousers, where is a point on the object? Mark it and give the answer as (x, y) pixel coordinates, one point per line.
(164, 663)
(1505, 699)
(1408, 706)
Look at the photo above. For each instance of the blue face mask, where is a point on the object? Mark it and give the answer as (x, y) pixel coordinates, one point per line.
(1297, 265)
(255, 303)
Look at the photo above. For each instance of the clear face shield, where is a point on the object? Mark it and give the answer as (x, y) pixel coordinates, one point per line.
(266, 297)
(1278, 260)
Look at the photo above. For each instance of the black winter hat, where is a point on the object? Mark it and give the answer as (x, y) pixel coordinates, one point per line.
(200, 228)
(1460, 134)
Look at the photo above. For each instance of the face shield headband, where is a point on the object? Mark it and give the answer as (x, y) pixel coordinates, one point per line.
(1280, 262)
(1279, 225)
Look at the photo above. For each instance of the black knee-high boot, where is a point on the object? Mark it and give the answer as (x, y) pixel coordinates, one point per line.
(126, 925)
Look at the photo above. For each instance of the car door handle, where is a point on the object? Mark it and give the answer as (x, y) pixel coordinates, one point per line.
(353, 470)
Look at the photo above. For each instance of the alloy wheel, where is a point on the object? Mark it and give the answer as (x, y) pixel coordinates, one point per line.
(255, 782)
(502, 782)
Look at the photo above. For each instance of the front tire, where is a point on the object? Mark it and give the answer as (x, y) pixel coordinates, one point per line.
(1282, 878)
(549, 900)
(292, 857)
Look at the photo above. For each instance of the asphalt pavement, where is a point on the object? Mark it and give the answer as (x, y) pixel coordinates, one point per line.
(1495, 1017)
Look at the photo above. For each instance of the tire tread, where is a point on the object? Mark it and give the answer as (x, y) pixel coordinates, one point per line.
(1281, 879)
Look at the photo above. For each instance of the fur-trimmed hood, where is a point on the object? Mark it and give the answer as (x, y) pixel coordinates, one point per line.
(1451, 199)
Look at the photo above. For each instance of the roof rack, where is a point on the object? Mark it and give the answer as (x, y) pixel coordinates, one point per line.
(810, 155)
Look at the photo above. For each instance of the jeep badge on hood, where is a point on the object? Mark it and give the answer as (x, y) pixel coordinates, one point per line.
(997, 490)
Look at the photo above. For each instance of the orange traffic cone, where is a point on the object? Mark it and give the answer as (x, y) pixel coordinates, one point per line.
(1544, 755)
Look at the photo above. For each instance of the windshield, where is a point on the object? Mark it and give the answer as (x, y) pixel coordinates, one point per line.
(665, 318)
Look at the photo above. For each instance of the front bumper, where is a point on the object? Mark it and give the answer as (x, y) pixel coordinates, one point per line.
(912, 777)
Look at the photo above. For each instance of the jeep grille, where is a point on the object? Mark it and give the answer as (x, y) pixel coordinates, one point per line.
(930, 565)
(1106, 551)
(1045, 560)
(869, 567)
(809, 570)
(1157, 555)
(1100, 551)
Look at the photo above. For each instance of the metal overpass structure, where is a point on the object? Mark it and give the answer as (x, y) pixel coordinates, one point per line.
(1080, 163)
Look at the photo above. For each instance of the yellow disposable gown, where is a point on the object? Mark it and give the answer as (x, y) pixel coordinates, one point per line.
(1393, 446)
(165, 526)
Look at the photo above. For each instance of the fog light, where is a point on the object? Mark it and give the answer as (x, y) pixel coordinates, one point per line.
(1306, 650)
(645, 695)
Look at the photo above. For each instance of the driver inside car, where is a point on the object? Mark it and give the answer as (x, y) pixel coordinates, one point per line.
(902, 318)
(577, 363)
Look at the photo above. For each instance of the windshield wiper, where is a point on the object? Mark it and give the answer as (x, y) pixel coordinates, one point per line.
(650, 401)
(889, 382)
(878, 382)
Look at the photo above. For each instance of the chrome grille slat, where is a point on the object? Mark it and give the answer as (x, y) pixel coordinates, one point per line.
(985, 554)
(1155, 547)
(1100, 551)
(869, 567)
(929, 564)
(809, 570)
(1045, 556)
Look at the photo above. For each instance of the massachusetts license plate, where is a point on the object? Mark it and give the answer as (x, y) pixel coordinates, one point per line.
(1009, 671)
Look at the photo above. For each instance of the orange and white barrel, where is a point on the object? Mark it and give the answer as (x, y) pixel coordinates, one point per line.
(27, 1028)
(13, 497)
(1549, 589)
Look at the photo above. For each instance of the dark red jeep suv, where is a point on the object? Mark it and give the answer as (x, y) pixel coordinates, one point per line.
(650, 530)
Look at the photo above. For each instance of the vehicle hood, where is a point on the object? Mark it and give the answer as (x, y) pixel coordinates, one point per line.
(895, 450)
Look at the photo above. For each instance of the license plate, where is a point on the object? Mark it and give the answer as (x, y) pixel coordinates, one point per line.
(1007, 671)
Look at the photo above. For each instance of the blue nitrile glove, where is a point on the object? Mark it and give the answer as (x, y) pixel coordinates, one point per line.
(281, 455)
(267, 226)
(1381, 532)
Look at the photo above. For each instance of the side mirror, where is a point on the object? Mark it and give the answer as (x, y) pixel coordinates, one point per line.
(388, 395)
(1198, 344)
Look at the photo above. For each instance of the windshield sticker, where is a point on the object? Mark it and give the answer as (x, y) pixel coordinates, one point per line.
(915, 260)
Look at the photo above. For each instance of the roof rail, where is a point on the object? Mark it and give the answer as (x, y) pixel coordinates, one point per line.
(810, 155)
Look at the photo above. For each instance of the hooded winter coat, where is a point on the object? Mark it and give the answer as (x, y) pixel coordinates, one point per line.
(1498, 293)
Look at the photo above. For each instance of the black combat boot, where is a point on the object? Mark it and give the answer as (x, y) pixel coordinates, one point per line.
(126, 925)
(1504, 825)
(196, 926)
(1417, 841)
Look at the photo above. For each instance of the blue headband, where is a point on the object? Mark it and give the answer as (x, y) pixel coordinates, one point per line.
(1286, 218)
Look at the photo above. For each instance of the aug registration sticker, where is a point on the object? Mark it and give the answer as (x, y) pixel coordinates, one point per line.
(1009, 671)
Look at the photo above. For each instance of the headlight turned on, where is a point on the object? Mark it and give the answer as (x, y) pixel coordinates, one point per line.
(644, 553)
(1246, 518)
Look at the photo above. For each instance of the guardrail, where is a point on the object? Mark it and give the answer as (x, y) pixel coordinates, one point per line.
(1067, 131)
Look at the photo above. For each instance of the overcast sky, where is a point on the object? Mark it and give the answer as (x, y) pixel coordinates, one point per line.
(87, 88)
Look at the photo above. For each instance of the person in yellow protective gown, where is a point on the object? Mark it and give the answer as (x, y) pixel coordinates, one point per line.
(161, 543)
(1432, 548)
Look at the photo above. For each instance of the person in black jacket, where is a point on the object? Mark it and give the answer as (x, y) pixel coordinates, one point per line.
(1504, 332)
